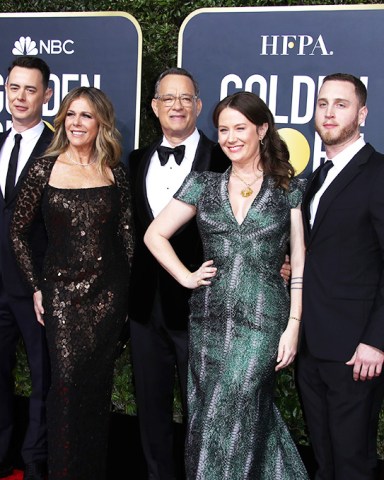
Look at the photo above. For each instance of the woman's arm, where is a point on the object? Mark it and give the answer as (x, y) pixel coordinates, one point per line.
(126, 226)
(27, 207)
(170, 219)
(288, 341)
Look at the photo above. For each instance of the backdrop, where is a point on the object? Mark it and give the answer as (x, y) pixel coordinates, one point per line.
(282, 54)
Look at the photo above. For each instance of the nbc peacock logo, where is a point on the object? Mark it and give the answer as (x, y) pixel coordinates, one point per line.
(25, 46)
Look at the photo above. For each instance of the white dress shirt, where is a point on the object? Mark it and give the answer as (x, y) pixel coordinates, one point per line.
(162, 182)
(27, 144)
(339, 162)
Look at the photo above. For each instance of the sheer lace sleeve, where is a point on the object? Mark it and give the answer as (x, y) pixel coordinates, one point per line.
(27, 206)
(126, 221)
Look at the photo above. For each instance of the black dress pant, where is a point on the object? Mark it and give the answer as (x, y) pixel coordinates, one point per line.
(17, 317)
(342, 417)
(157, 354)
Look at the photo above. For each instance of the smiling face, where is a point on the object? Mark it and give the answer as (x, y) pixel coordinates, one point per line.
(81, 125)
(339, 114)
(177, 121)
(26, 96)
(238, 137)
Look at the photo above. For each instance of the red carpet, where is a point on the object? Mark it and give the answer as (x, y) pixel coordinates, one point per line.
(16, 475)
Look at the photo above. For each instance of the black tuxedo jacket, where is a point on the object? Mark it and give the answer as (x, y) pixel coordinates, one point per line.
(343, 295)
(147, 275)
(13, 281)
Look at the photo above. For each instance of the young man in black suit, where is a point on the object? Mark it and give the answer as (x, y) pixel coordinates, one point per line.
(27, 91)
(341, 356)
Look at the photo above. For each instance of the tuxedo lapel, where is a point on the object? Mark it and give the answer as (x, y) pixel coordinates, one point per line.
(306, 203)
(345, 177)
(141, 184)
(3, 136)
(202, 159)
(40, 147)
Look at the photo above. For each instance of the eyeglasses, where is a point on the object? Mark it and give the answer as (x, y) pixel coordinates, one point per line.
(169, 100)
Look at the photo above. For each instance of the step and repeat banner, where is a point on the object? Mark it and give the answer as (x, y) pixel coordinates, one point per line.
(282, 54)
(101, 49)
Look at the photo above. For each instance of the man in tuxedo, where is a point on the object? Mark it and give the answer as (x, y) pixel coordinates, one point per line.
(341, 355)
(27, 90)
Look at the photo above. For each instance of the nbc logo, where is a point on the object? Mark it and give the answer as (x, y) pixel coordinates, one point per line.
(25, 46)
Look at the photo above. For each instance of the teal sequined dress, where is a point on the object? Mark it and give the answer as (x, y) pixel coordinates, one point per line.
(234, 429)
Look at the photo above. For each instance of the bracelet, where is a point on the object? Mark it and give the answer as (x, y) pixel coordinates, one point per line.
(294, 318)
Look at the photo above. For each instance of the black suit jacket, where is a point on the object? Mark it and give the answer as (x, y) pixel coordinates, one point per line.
(147, 275)
(12, 278)
(343, 296)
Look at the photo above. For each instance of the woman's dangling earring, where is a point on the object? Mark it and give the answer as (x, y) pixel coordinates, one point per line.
(261, 140)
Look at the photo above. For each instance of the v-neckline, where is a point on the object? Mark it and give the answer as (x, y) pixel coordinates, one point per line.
(250, 205)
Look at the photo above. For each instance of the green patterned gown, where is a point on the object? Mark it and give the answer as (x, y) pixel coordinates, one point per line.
(234, 429)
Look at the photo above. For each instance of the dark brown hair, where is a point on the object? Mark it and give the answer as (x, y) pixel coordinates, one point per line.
(274, 154)
(27, 61)
(360, 89)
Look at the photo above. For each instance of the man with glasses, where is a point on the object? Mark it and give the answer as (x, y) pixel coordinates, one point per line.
(159, 339)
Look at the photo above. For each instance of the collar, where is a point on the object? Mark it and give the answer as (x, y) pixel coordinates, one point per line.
(343, 158)
(31, 133)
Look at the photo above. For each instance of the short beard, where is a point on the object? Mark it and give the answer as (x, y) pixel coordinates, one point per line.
(346, 133)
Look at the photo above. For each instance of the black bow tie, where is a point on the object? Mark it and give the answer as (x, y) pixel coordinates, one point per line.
(164, 153)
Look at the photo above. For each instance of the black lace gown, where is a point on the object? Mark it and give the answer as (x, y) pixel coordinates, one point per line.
(84, 286)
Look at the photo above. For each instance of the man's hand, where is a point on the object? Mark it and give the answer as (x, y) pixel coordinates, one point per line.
(285, 270)
(367, 362)
(38, 306)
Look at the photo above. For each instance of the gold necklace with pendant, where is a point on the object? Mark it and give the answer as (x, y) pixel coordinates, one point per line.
(246, 192)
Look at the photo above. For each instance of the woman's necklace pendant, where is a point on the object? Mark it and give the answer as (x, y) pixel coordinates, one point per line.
(246, 192)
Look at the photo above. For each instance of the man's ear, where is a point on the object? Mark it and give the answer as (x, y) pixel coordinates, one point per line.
(48, 94)
(199, 106)
(363, 112)
(154, 107)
